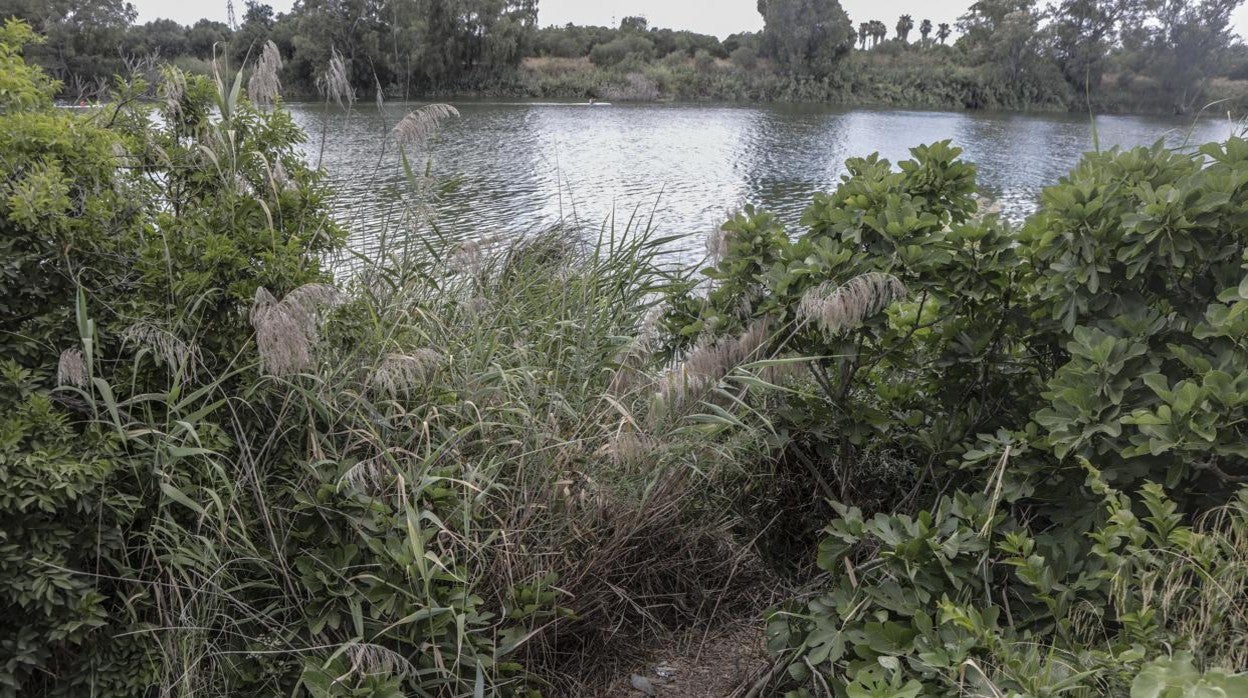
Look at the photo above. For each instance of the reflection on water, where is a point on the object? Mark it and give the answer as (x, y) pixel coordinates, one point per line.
(527, 166)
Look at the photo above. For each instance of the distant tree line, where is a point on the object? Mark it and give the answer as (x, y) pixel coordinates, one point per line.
(403, 46)
(1177, 43)
(410, 47)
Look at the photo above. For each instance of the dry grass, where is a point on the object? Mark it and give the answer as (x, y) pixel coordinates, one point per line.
(551, 65)
(631, 572)
(1208, 606)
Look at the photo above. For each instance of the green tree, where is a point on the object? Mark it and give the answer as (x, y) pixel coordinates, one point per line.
(904, 26)
(630, 46)
(806, 37)
(356, 29)
(925, 29)
(943, 31)
(1084, 31)
(84, 37)
(879, 32)
(204, 35)
(163, 38)
(1004, 36)
(256, 28)
(1181, 45)
(436, 42)
(63, 213)
(635, 24)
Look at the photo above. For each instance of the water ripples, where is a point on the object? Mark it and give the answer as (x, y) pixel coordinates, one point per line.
(521, 167)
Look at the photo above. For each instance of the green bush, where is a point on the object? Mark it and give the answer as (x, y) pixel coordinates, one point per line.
(956, 359)
(745, 58)
(617, 51)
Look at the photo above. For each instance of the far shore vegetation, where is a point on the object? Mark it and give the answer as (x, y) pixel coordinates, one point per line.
(1103, 56)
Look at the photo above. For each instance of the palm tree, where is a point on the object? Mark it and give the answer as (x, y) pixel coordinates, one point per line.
(925, 30)
(904, 25)
(879, 32)
(942, 32)
(864, 30)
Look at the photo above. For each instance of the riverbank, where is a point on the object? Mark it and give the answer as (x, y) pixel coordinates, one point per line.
(929, 79)
(907, 80)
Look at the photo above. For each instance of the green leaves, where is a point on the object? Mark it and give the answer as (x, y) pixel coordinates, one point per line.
(1112, 327)
(1178, 678)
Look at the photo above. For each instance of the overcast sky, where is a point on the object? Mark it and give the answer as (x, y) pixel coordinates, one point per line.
(720, 17)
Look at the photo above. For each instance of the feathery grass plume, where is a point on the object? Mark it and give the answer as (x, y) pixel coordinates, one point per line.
(369, 475)
(475, 305)
(469, 256)
(399, 373)
(168, 347)
(709, 361)
(717, 246)
(837, 309)
(651, 324)
(333, 83)
(628, 447)
(71, 369)
(265, 85)
(419, 125)
(172, 90)
(287, 330)
(630, 370)
(281, 180)
(368, 659)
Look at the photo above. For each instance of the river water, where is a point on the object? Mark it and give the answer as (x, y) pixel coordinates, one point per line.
(524, 166)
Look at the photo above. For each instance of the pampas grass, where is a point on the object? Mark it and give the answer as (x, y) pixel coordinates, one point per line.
(416, 128)
(838, 309)
(172, 90)
(712, 359)
(333, 84)
(717, 246)
(265, 85)
(287, 330)
(400, 373)
(374, 660)
(168, 348)
(71, 369)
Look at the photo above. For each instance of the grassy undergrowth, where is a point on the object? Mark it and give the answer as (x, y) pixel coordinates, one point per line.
(990, 459)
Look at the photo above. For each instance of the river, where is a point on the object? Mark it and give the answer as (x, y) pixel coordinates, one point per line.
(524, 166)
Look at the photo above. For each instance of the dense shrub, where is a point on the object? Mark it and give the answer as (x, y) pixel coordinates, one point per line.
(1026, 382)
(745, 57)
(629, 47)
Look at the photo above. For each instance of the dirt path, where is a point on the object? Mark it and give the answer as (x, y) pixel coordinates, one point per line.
(717, 664)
